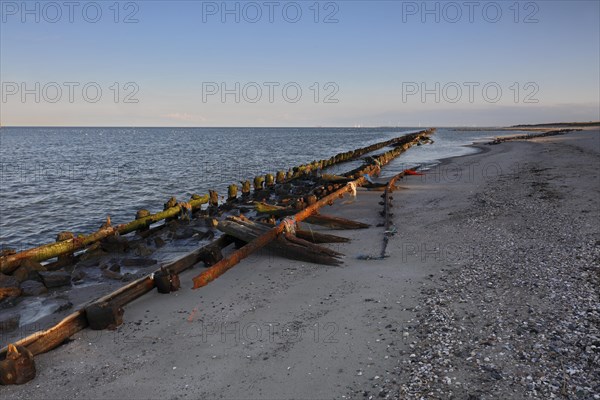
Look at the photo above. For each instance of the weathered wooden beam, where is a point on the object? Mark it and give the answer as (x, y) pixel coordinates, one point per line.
(338, 223)
(282, 246)
(318, 237)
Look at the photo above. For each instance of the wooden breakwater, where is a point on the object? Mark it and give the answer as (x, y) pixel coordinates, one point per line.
(68, 243)
(532, 136)
(17, 360)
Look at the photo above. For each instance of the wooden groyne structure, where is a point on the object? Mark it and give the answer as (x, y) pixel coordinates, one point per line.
(532, 136)
(280, 201)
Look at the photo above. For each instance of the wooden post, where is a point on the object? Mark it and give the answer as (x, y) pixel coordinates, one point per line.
(258, 183)
(245, 188)
(66, 258)
(280, 177)
(142, 214)
(232, 191)
(18, 366)
(171, 203)
(269, 180)
(213, 198)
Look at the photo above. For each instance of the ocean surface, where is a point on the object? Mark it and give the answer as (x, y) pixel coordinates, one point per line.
(56, 179)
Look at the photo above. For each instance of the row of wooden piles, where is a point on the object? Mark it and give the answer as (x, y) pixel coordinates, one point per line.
(296, 195)
(532, 136)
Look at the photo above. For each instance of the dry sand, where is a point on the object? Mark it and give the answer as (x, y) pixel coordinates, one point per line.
(485, 243)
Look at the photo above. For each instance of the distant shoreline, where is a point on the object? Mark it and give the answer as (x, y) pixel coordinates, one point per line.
(461, 128)
(534, 127)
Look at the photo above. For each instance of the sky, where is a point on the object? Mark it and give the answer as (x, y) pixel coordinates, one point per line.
(302, 63)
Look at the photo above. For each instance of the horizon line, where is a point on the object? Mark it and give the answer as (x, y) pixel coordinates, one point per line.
(356, 126)
(303, 127)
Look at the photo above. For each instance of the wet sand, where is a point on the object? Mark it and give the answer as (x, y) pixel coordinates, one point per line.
(490, 291)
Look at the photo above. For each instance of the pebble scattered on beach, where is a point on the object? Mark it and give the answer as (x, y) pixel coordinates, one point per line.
(519, 317)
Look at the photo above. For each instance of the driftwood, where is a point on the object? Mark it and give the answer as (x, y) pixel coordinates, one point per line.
(335, 222)
(11, 262)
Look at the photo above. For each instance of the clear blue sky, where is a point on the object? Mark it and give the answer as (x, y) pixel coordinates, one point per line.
(377, 58)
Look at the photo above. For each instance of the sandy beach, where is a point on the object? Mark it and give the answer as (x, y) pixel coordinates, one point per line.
(490, 291)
